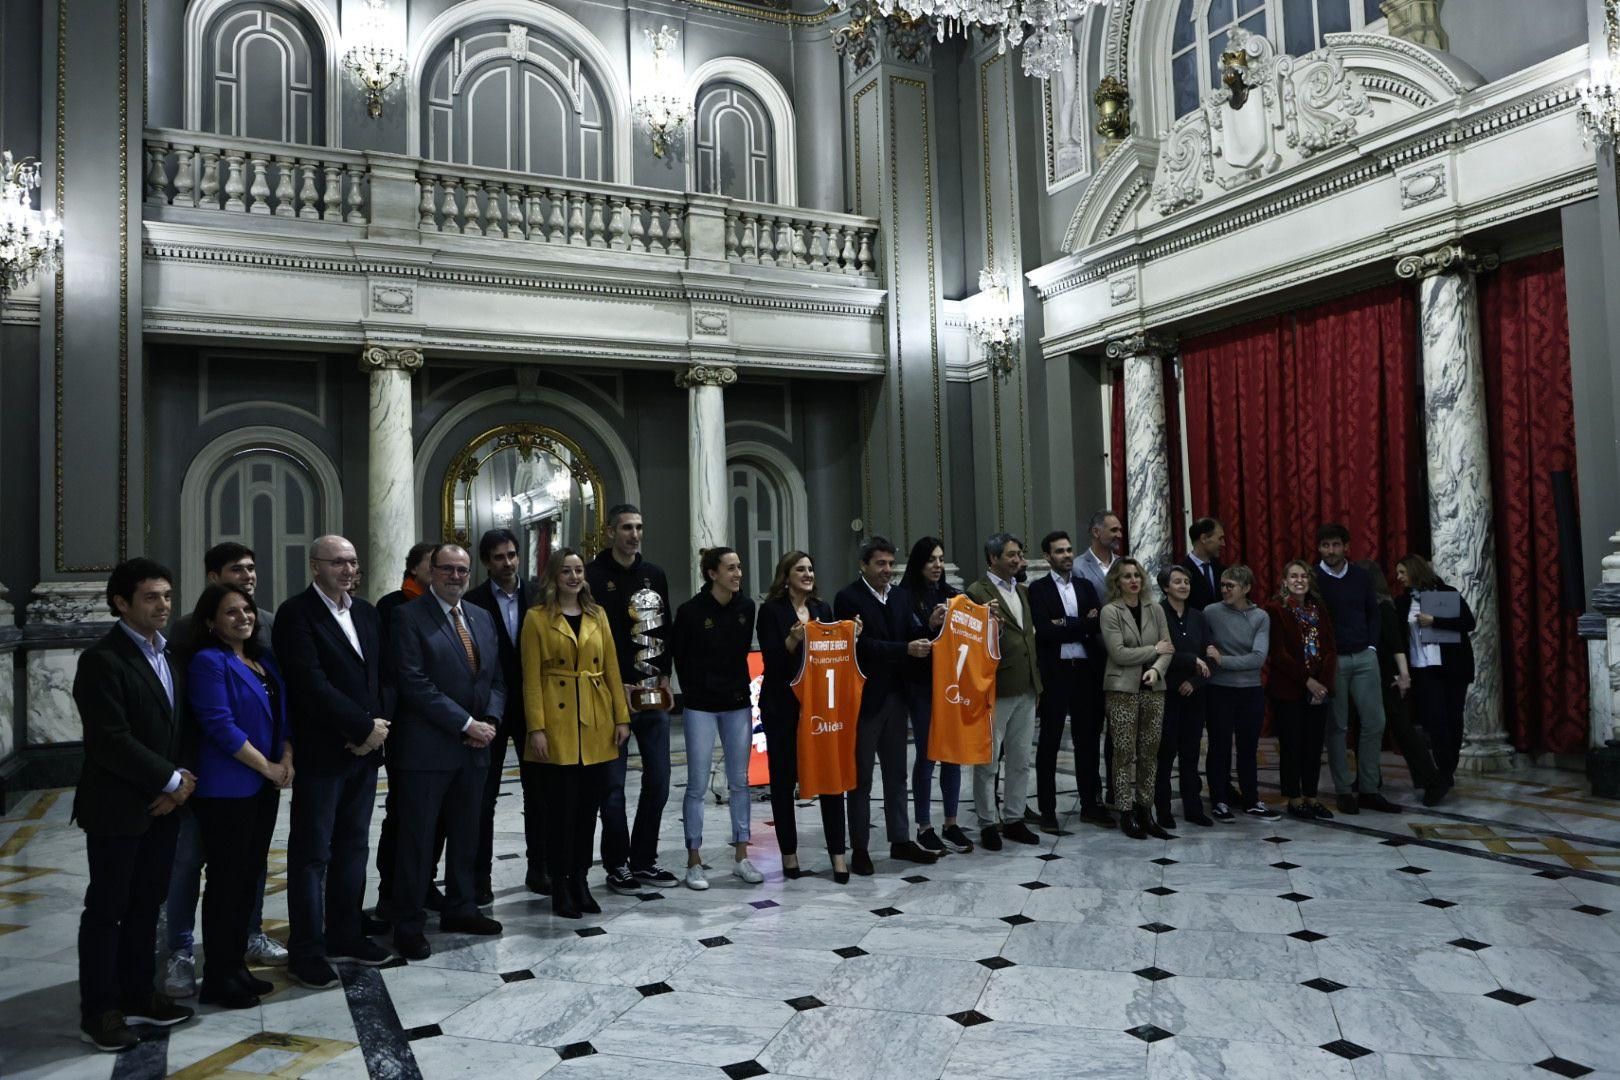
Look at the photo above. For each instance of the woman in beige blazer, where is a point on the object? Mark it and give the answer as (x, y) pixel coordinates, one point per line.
(1137, 637)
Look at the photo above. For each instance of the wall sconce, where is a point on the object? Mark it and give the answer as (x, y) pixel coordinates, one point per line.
(30, 240)
(663, 108)
(995, 322)
(1599, 108)
(376, 65)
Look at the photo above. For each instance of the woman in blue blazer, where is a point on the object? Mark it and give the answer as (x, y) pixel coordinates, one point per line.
(244, 759)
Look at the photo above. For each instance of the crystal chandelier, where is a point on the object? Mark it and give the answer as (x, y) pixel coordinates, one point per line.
(662, 109)
(995, 322)
(1599, 109)
(30, 240)
(371, 59)
(1041, 27)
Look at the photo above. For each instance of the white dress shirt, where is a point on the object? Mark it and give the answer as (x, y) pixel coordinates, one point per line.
(1069, 650)
(155, 656)
(1012, 604)
(341, 610)
(507, 602)
(1417, 653)
(882, 597)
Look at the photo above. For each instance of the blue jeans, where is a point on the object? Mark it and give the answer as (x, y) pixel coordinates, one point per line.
(735, 729)
(922, 769)
(185, 886)
(640, 848)
(327, 851)
(1236, 713)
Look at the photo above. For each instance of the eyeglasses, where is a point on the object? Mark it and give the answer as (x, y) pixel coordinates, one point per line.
(453, 571)
(1229, 584)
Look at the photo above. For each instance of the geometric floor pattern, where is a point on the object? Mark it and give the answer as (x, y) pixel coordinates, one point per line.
(1478, 940)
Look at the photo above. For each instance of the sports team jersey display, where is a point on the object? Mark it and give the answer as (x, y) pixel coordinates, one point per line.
(829, 688)
(965, 657)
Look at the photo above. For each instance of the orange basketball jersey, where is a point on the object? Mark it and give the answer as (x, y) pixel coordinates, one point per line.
(829, 688)
(965, 657)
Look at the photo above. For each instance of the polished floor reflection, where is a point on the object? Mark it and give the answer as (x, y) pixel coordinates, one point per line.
(1478, 940)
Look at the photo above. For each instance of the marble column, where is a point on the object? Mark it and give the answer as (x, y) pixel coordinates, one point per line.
(706, 447)
(64, 617)
(1457, 443)
(391, 489)
(1147, 455)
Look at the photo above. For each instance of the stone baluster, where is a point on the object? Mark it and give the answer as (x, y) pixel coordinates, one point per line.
(731, 236)
(534, 214)
(576, 220)
(261, 186)
(1147, 457)
(356, 198)
(185, 193)
(472, 217)
(556, 221)
(426, 210)
(818, 247)
(209, 184)
(748, 249)
(596, 230)
(449, 206)
(638, 233)
(674, 235)
(796, 235)
(706, 452)
(157, 174)
(1457, 441)
(864, 259)
(306, 191)
(235, 184)
(332, 192)
(846, 254)
(494, 216)
(391, 492)
(655, 229)
(616, 227)
(284, 187)
(517, 217)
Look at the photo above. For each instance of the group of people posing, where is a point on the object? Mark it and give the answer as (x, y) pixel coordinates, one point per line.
(189, 743)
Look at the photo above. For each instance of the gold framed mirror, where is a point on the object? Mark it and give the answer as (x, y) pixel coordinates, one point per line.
(533, 480)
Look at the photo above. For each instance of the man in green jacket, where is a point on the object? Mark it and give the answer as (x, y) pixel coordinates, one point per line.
(1018, 688)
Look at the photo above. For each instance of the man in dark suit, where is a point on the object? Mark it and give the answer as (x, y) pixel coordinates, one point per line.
(1065, 609)
(330, 649)
(889, 634)
(507, 597)
(1203, 562)
(133, 713)
(451, 700)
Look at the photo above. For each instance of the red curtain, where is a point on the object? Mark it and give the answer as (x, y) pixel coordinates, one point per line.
(1525, 331)
(1304, 418)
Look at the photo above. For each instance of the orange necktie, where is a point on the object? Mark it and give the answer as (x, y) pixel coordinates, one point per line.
(466, 638)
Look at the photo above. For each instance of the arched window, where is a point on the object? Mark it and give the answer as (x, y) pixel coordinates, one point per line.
(509, 96)
(1201, 29)
(269, 500)
(758, 524)
(733, 143)
(263, 74)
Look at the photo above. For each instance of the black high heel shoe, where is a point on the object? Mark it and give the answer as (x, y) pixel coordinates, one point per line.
(563, 904)
(582, 895)
(840, 877)
(792, 873)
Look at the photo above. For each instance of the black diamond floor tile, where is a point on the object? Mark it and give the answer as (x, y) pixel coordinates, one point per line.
(1413, 869)
(714, 942)
(1285, 865)
(1033, 885)
(1469, 943)
(1017, 920)
(809, 1001)
(742, 1070)
(1278, 840)
(1050, 856)
(850, 952)
(591, 931)
(996, 963)
(1149, 1033)
(761, 905)
(1307, 935)
(1436, 902)
(649, 897)
(1160, 890)
(1394, 842)
(915, 879)
(654, 989)
(575, 1050)
(1346, 1049)
(1294, 897)
(971, 1018)
(1563, 1067)
(392, 962)
(1327, 986)
(1155, 974)
(1550, 875)
(508, 855)
(427, 1031)
(1163, 861)
(1590, 909)
(1511, 997)
(516, 976)
(886, 912)
(1158, 927)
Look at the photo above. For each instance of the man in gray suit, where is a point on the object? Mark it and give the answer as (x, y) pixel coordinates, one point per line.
(445, 658)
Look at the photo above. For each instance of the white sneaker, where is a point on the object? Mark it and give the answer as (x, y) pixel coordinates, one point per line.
(745, 870)
(180, 978)
(696, 879)
(265, 950)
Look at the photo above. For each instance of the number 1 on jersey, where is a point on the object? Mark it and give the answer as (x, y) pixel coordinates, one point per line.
(961, 659)
(832, 700)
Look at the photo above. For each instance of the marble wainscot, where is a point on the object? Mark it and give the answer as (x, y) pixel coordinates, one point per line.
(64, 617)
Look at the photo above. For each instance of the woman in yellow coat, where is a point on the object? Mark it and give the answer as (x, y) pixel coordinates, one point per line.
(577, 717)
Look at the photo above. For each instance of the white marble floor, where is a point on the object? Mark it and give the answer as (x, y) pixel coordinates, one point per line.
(1479, 940)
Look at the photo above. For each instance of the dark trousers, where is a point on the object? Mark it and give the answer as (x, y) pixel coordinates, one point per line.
(572, 795)
(1440, 703)
(880, 736)
(1236, 714)
(1067, 693)
(236, 843)
(426, 797)
(1178, 744)
(534, 833)
(129, 877)
(782, 751)
(327, 847)
(388, 845)
(621, 845)
(1300, 728)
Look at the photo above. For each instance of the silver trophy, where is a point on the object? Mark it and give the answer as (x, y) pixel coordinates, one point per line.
(647, 612)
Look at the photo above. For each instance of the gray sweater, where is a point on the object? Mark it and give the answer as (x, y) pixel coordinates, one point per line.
(1244, 638)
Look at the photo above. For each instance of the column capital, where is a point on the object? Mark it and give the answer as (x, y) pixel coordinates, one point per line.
(390, 358)
(705, 374)
(1453, 258)
(1141, 343)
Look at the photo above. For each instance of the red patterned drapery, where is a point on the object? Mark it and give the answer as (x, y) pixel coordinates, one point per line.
(1525, 332)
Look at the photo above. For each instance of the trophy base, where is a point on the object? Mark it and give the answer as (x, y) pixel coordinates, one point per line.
(651, 699)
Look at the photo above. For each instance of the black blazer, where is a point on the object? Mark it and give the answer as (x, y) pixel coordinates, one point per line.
(511, 661)
(1202, 595)
(332, 692)
(1457, 660)
(1053, 625)
(777, 701)
(132, 737)
(437, 690)
(1190, 636)
(881, 648)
